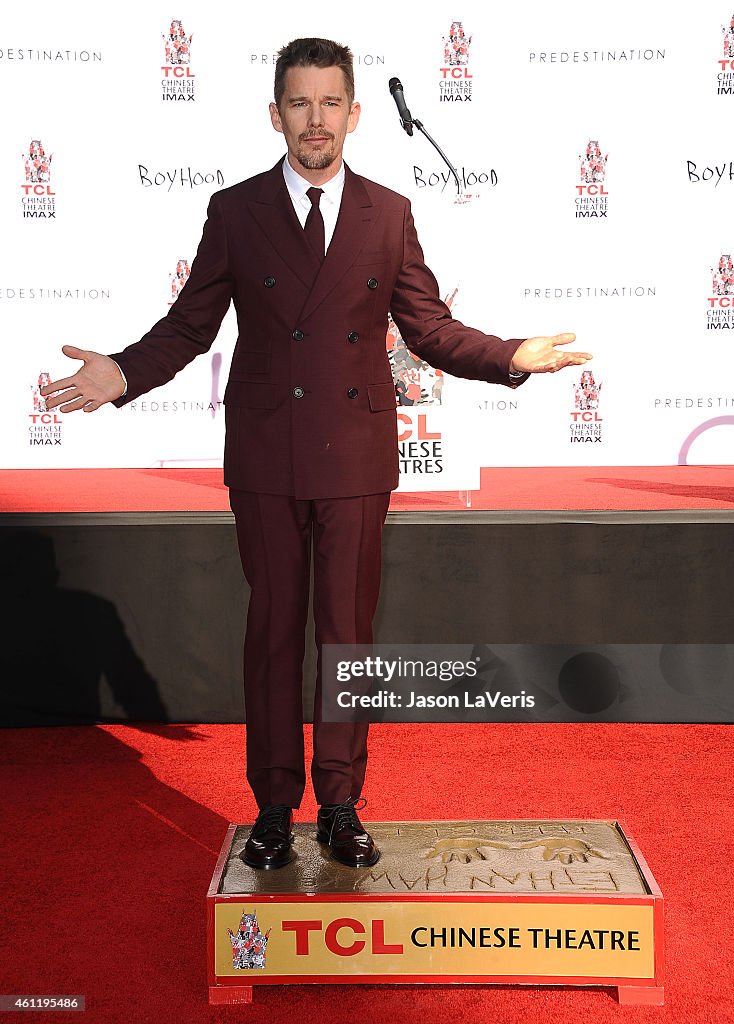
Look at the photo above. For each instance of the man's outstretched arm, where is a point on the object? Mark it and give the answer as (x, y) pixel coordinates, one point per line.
(189, 329)
(430, 331)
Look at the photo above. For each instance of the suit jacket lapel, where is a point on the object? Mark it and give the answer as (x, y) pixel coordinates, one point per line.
(277, 219)
(352, 228)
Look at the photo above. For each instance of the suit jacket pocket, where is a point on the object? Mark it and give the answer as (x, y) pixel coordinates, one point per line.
(381, 397)
(248, 394)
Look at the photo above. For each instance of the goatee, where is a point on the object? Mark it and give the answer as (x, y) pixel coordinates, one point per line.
(315, 161)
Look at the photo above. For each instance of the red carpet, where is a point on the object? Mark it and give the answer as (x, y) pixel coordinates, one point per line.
(606, 488)
(111, 833)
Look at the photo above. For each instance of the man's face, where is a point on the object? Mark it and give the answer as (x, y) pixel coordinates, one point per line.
(315, 117)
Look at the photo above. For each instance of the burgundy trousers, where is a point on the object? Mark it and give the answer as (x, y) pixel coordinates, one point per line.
(277, 535)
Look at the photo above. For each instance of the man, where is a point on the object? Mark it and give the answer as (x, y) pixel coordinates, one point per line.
(313, 257)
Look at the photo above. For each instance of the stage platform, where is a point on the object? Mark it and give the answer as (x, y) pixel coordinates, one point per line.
(464, 902)
(565, 488)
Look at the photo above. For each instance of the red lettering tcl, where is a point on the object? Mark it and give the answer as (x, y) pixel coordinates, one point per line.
(422, 432)
(340, 936)
(587, 417)
(45, 417)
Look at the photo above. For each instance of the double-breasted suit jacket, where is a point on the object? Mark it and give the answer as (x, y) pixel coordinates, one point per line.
(310, 401)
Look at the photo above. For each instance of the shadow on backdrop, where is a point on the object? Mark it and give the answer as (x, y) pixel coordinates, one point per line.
(58, 645)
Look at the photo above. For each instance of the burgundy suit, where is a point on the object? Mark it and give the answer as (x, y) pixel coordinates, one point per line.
(311, 450)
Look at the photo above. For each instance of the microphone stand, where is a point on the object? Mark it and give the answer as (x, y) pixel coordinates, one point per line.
(419, 126)
(441, 154)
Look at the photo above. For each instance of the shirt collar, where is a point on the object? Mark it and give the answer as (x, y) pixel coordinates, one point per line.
(298, 185)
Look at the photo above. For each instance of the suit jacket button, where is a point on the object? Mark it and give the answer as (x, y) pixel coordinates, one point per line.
(352, 392)
(298, 392)
(269, 282)
(298, 334)
(353, 337)
(372, 283)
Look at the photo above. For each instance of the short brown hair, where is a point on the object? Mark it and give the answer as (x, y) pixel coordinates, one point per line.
(319, 53)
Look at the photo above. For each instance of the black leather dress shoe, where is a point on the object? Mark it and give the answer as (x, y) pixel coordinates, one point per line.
(340, 827)
(269, 845)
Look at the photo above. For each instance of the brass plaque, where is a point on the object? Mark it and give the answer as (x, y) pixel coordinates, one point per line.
(573, 857)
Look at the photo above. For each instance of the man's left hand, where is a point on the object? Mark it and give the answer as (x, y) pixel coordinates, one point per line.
(545, 355)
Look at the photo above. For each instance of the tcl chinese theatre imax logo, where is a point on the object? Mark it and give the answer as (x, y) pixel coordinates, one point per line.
(455, 85)
(45, 425)
(591, 192)
(720, 312)
(38, 199)
(178, 83)
(725, 74)
(586, 421)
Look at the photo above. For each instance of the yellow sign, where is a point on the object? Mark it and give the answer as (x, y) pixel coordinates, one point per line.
(313, 938)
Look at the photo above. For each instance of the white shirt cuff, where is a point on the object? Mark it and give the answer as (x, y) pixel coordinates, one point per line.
(123, 377)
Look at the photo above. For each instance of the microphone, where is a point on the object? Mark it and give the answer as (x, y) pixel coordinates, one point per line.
(396, 91)
(407, 121)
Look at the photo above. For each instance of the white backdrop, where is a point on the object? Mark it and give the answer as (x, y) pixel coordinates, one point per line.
(84, 108)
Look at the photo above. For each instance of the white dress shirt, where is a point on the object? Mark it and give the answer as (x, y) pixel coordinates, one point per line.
(329, 203)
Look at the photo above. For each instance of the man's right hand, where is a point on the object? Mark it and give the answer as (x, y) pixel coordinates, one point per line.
(98, 381)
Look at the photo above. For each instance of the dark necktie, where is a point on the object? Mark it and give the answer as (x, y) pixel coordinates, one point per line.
(314, 226)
